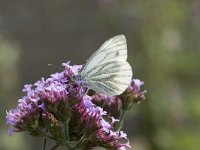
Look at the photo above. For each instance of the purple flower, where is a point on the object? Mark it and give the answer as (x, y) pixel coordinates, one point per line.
(27, 88)
(135, 89)
(133, 94)
(71, 70)
(92, 124)
(110, 104)
(49, 104)
(24, 117)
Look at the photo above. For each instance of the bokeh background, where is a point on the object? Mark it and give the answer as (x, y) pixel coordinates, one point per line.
(163, 39)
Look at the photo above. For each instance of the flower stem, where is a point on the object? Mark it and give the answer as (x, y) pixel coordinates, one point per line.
(68, 147)
(54, 147)
(59, 116)
(80, 141)
(44, 143)
(67, 130)
(121, 120)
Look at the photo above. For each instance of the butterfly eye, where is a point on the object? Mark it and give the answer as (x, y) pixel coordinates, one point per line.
(73, 78)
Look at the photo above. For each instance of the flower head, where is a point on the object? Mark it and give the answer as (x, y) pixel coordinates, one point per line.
(50, 105)
(133, 94)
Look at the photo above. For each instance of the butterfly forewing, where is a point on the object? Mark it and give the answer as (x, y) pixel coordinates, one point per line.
(107, 70)
(114, 48)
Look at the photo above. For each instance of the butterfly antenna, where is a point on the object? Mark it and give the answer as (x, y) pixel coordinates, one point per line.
(50, 65)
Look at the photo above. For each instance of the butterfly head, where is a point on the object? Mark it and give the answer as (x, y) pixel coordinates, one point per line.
(77, 78)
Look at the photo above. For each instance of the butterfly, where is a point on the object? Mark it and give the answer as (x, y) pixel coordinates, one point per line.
(107, 70)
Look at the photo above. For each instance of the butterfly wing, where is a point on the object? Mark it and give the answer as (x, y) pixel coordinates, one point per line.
(107, 70)
(114, 48)
(112, 78)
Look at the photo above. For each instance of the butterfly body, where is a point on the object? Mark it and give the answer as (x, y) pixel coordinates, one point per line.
(107, 71)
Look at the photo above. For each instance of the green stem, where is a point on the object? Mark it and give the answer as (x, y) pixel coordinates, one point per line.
(68, 146)
(121, 120)
(59, 116)
(80, 142)
(44, 143)
(67, 130)
(54, 147)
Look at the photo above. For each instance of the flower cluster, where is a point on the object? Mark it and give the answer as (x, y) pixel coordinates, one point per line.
(62, 110)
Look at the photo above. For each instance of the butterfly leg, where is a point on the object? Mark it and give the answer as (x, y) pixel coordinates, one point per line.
(87, 90)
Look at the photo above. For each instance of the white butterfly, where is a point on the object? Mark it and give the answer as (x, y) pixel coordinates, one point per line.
(107, 70)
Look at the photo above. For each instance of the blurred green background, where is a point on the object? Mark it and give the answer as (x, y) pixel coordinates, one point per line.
(163, 39)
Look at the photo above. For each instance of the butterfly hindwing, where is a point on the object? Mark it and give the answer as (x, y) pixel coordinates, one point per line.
(112, 78)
